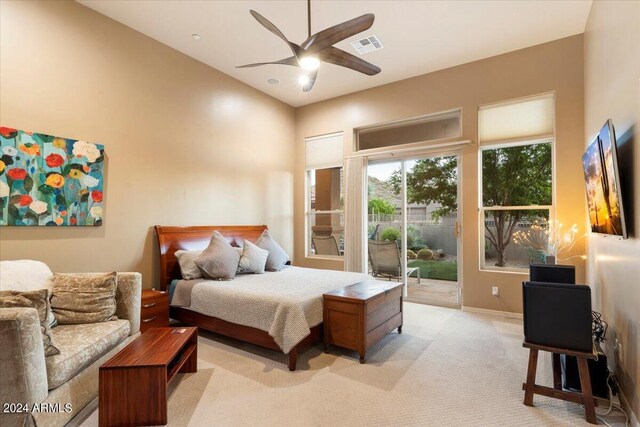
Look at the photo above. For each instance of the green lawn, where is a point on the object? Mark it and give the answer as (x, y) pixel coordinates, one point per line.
(439, 270)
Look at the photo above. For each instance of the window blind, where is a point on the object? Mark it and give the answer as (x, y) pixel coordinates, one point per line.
(531, 118)
(430, 128)
(324, 151)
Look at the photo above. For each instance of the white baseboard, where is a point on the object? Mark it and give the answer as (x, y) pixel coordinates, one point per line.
(633, 420)
(508, 314)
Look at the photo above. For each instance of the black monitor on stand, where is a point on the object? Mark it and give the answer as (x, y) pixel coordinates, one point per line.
(543, 274)
(552, 273)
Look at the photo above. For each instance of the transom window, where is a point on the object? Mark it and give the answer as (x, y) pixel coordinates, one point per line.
(425, 130)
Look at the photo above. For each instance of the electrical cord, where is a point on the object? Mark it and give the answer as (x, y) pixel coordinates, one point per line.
(612, 405)
(598, 327)
(599, 330)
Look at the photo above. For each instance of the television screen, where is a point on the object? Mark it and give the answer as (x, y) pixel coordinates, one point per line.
(602, 180)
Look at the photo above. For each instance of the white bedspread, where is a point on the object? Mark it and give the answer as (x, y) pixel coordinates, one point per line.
(285, 304)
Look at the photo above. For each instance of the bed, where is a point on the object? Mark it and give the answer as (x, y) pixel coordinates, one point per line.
(281, 311)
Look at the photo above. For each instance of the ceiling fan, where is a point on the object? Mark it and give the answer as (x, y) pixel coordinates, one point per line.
(319, 47)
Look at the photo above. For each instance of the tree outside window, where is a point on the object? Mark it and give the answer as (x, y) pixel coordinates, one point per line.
(516, 191)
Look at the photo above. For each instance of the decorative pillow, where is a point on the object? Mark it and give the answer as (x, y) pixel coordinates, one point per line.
(26, 275)
(84, 298)
(188, 266)
(52, 320)
(220, 260)
(40, 301)
(253, 259)
(239, 250)
(277, 258)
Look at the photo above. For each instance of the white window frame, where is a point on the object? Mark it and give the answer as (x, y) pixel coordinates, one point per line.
(421, 145)
(401, 157)
(308, 212)
(483, 209)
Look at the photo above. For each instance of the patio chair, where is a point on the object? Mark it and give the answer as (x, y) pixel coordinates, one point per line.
(384, 257)
(325, 245)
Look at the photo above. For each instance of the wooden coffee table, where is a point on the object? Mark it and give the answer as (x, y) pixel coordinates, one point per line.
(133, 383)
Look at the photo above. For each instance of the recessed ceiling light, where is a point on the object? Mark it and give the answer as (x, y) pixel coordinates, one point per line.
(273, 81)
(309, 63)
(195, 36)
(303, 79)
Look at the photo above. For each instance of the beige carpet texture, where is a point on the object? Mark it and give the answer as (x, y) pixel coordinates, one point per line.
(447, 368)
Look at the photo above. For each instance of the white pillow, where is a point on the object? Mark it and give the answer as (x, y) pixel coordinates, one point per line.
(278, 258)
(220, 260)
(25, 275)
(253, 259)
(188, 267)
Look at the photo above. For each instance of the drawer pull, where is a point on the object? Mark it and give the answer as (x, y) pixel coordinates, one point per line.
(152, 304)
(149, 320)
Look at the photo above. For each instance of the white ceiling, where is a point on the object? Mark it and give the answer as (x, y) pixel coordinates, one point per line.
(418, 36)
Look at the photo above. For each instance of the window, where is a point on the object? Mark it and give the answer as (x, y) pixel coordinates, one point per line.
(434, 127)
(325, 201)
(516, 180)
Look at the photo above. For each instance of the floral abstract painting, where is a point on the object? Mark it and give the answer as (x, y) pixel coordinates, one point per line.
(47, 180)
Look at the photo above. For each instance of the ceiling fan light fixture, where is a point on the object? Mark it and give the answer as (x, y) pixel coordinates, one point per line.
(303, 79)
(309, 63)
(319, 47)
(195, 36)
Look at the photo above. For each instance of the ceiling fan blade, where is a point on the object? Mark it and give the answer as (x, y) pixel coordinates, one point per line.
(333, 35)
(286, 61)
(336, 56)
(271, 27)
(312, 80)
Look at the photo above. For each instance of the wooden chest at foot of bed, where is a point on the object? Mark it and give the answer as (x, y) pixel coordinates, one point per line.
(358, 316)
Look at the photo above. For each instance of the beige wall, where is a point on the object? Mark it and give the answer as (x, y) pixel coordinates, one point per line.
(185, 144)
(555, 66)
(612, 90)
(80, 75)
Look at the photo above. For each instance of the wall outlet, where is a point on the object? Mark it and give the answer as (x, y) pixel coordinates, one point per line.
(495, 291)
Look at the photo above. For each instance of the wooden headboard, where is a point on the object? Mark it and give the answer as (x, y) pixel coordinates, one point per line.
(172, 239)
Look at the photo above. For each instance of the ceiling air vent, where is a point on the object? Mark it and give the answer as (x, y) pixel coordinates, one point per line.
(367, 44)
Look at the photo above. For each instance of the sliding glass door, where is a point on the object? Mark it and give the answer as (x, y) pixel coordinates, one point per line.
(413, 229)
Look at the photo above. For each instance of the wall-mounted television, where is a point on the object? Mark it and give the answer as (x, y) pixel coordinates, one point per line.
(602, 179)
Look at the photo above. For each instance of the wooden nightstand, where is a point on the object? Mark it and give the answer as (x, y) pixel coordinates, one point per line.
(360, 315)
(155, 310)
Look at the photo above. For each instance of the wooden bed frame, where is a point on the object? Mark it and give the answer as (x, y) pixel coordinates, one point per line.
(172, 239)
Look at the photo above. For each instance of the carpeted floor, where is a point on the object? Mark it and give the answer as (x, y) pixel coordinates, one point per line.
(447, 368)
